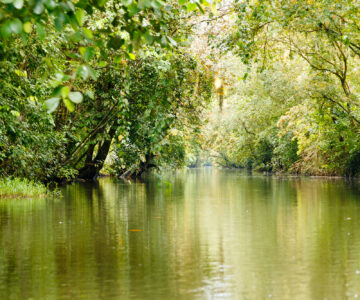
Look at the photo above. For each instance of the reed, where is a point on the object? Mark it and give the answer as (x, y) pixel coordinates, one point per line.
(21, 188)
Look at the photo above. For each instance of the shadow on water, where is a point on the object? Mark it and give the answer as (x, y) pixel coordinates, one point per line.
(190, 234)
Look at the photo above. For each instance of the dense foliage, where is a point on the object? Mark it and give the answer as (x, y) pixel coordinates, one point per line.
(77, 74)
(298, 108)
(127, 84)
(166, 94)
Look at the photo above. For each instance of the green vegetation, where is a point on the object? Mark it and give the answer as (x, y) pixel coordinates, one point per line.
(21, 188)
(129, 84)
(292, 84)
(82, 79)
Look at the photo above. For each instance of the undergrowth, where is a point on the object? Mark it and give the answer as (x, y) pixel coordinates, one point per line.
(23, 188)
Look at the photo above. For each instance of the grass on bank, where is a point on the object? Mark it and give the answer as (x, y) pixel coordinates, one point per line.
(21, 188)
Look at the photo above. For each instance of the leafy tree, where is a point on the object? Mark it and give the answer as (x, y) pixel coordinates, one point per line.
(79, 56)
(322, 37)
(166, 94)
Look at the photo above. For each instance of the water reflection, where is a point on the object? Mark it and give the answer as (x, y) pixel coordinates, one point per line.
(195, 234)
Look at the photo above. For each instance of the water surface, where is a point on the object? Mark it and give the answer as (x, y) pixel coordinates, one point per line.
(199, 234)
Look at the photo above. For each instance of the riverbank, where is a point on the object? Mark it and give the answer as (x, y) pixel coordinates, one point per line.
(290, 174)
(21, 188)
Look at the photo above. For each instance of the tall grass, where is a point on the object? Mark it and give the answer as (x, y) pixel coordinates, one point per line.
(21, 188)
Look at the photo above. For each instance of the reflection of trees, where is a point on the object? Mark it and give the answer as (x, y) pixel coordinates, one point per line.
(204, 231)
(303, 253)
(23, 244)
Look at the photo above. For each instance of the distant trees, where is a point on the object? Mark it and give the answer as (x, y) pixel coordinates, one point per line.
(320, 121)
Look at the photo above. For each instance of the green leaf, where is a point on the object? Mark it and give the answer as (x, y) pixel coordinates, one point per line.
(172, 42)
(69, 105)
(130, 55)
(65, 92)
(40, 31)
(27, 27)
(70, 6)
(148, 37)
(103, 64)
(118, 59)
(11, 26)
(82, 71)
(157, 4)
(127, 2)
(59, 21)
(16, 26)
(18, 4)
(6, 29)
(39, 8)
(52, 104)
(80, 16)
(144, 4)
(76, 97)
(204, 2)
(21, 73)
(101, 3)
(92, 73)
(88, 33)
(82, 50)
(50, 4)
(57, 91)
(191, 6)
(76, 37)
(133, 9)
(15, 113)
(89, 53)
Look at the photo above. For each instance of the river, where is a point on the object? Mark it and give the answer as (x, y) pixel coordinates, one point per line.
(196, 234)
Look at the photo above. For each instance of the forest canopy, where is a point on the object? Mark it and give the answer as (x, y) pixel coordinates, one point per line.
(293, 75)
(81, 79)
(127, 86)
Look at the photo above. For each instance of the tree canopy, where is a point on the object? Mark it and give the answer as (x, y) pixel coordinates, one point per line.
(298, 110)
(77, 74)
(126, 86)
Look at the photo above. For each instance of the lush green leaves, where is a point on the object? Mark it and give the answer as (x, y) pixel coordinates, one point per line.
(75, 97)
(163, 109)
(52, 104)
(318, 132)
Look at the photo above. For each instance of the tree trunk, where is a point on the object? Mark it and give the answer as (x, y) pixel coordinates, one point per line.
(143, 167)
(92, 166)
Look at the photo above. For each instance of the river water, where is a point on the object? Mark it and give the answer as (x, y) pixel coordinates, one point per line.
(196, 234)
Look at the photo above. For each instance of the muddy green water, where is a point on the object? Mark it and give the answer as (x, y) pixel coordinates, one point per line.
(200, 234)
